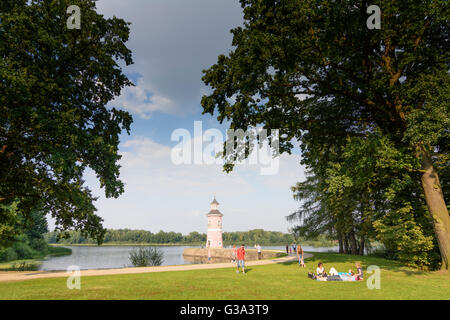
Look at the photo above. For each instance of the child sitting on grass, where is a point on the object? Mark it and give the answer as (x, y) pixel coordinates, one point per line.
(359, 275)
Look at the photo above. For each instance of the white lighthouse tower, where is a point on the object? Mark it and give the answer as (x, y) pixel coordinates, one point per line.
(214, 235)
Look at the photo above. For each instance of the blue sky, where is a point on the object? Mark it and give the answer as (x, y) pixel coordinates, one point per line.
(172, 42)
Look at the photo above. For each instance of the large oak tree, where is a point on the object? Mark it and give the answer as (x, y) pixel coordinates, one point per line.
(55, 84)
(313, 68)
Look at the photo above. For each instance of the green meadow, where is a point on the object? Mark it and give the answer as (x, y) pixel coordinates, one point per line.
(278, 281)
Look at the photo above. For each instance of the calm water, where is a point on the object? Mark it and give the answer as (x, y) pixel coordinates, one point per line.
(107, 257)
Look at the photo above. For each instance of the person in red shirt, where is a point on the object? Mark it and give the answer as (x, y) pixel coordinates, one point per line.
(241, 259)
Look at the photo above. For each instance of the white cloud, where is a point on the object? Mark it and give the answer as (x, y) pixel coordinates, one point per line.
(172, 42)
(143, 101)
(161, 195)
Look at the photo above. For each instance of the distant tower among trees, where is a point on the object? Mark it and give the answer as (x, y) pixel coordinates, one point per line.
(214, 235)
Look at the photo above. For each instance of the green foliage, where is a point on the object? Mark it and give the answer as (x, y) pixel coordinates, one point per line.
(141, 236)
(8, 222)
(257, 236)
(23, 250)
(143, 257)
(54, 122)
(8, 254)
(28, 241)
(407, 240)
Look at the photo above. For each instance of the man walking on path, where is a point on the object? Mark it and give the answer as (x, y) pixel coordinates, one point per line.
(241, 259)
(258, 248)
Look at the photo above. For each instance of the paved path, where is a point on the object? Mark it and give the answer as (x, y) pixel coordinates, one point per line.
(20, 276)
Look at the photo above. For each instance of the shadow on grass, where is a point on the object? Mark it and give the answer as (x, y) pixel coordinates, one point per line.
(247, 270)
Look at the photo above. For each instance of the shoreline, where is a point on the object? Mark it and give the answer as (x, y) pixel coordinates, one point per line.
(13, 276)
(33, 264)
(125, 244)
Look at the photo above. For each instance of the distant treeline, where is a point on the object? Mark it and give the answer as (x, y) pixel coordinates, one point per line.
(257, 236)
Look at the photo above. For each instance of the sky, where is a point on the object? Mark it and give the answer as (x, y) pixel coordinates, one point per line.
(172, 42)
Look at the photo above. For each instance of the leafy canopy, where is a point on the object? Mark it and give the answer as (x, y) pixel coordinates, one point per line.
(369, 108)
(55, 84)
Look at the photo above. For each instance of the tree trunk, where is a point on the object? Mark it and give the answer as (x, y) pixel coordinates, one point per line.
(345, 244)
(361, 246)
(353, 244)
(436, 206)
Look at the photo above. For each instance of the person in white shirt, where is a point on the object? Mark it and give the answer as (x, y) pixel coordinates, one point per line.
(320, 272)
(258, 248)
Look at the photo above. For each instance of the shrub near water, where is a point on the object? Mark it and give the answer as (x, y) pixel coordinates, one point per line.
(143, 257)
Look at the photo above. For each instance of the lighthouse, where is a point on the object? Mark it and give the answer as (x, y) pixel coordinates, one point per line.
(214, 235)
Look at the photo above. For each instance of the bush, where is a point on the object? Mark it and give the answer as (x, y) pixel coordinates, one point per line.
(407, 238)
(143, 257)
(8, 254)
(24, 251)
(39, 245)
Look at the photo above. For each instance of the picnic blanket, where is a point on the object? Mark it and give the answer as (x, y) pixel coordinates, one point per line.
(341, 276)
(346, 276)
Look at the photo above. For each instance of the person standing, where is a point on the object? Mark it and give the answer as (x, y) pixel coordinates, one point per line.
(301, 262)
(258, 248)
(359, 275)
(287, 249)
(241, 259)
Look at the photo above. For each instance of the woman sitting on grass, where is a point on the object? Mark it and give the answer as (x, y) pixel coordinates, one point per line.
(321, 275)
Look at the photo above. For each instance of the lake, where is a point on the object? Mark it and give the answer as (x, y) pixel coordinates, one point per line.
(110, 257)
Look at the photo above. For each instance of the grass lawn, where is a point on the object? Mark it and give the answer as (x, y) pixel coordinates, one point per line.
(279, 281)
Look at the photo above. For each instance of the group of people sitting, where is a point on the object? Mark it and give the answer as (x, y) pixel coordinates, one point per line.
(333, 275)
